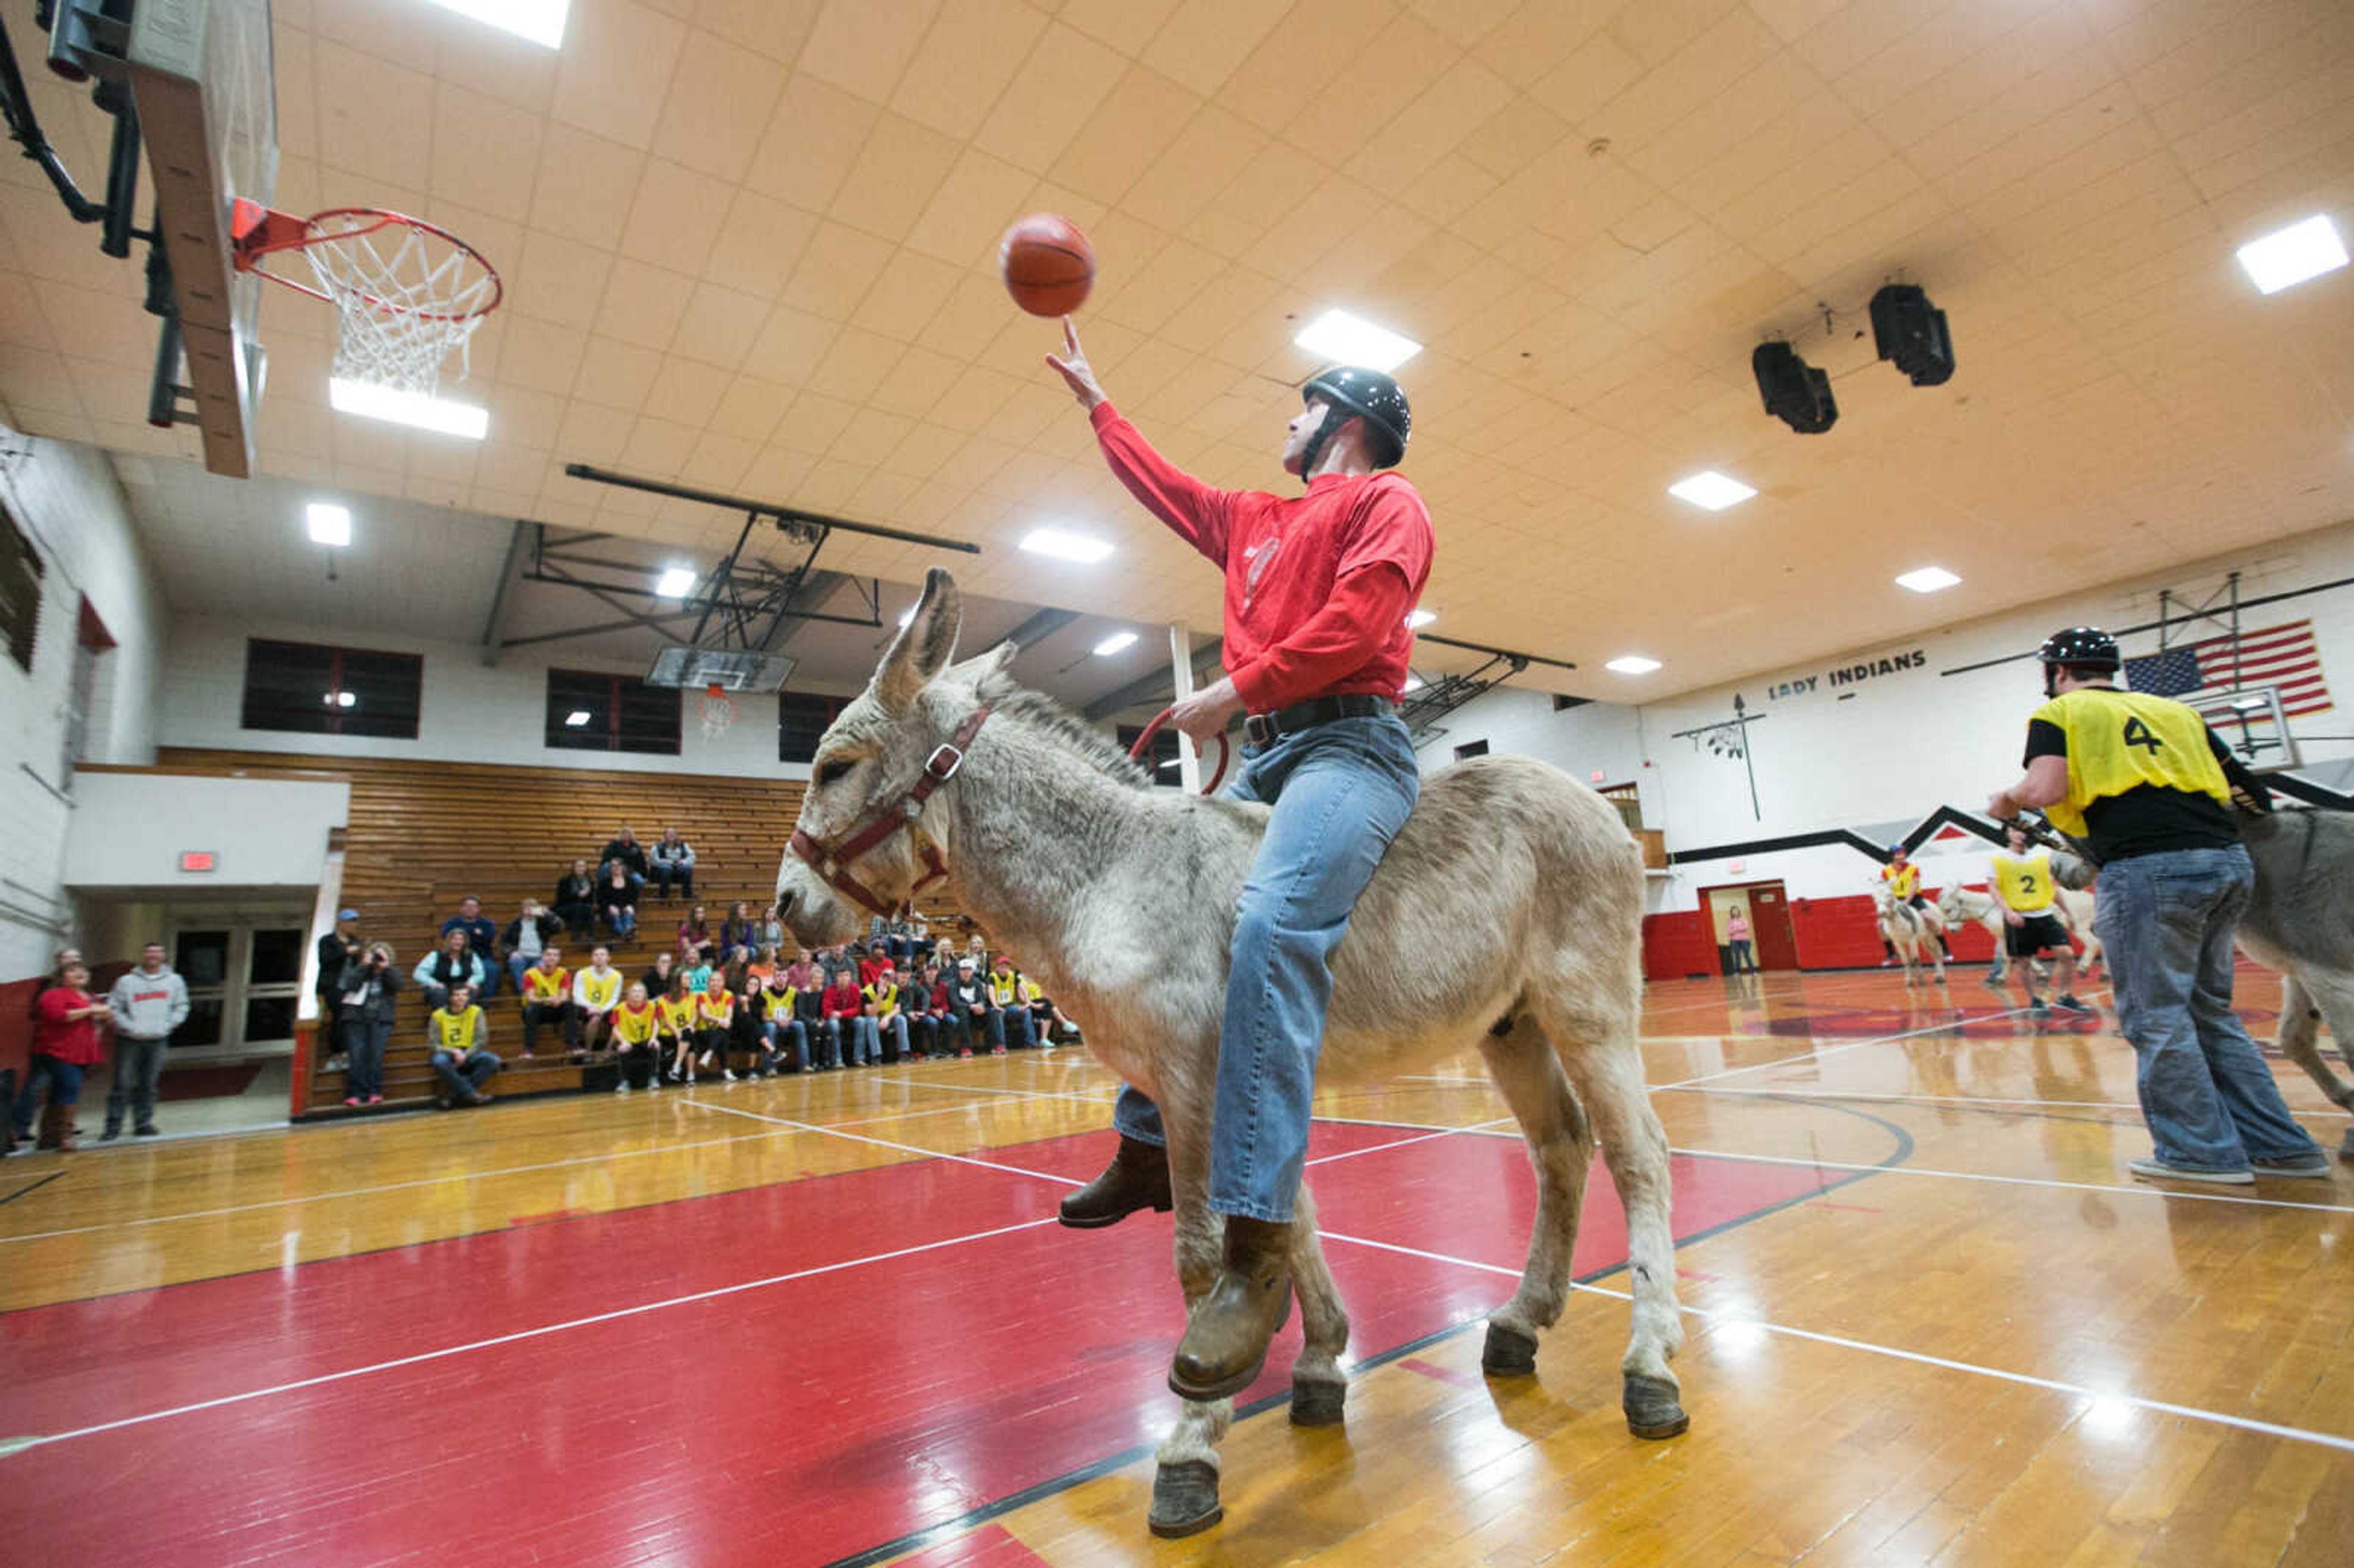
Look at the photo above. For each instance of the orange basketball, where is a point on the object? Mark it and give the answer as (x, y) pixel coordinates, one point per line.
(1047, 264)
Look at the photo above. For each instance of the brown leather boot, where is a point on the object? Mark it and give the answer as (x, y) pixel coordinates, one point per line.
(58, 1129)
(1136, 1178)
(1225, 1343)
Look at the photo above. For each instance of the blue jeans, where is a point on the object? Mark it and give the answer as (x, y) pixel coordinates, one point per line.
(865, 1040)
(1340, 793)
(896, 1027)
(364, 1039)
(65, 1088)
(620, 918)
(464, 1076)
(2166, 922)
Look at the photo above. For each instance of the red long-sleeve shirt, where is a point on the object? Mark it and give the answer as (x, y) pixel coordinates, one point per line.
(1317, 588)
(75, 1042)
(842, 1002)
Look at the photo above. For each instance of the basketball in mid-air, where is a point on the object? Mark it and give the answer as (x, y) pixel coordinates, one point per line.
(1047, 264)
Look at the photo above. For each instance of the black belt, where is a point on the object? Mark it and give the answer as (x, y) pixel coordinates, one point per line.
(1261, 728)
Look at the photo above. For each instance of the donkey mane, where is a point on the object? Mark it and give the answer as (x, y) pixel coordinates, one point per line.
(1009, 699)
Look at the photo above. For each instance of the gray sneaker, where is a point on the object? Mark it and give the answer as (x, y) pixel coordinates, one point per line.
(2314, 1166)
(2069, 1004)
(2155, 1170)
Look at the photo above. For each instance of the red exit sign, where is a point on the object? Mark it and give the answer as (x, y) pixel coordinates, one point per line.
(196, 860)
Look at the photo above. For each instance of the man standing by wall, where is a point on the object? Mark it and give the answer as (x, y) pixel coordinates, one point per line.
(2147, 787)
(148, 1004)
(1318, 590)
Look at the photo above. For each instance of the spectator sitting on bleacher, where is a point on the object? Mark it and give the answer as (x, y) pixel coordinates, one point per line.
(546, 988)
(365, 992)
(575, 899)
(635, 1022)
(736, 970)
(825, 1032)
(762, 967)
(693, 935)
(845, 1009)
(874, 963)
(596, 992)
(834, 962)
(699, 971)
(770, 930)
(715, 1027)
(460, 1037)
(884, 1012)
(787, 1035)
(915, 1006)
(968, 998)
(617, 902)
(951, 1034)
(656, 979)
(746, 1035)
(803, 965)
(453, 964)
(1046, 1018)
(1009, 996)
(624, 850)
(673, 861)
(483, 938)
(526, 935)
(682, 1015)
(736, 932)
(337, 949)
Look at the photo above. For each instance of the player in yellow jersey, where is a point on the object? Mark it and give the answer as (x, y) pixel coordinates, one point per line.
(596, 992)
(547, 991)
(2147, 787)
(635, 1024)
(883, 1009)
(2022, 885)
(681, 1011)
(1902, 880)
(459, 1041)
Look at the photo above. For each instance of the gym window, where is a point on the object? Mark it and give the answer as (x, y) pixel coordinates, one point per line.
(802, 719)
(308, 689)
(1469, 750)
(20, 591)
(589, 712)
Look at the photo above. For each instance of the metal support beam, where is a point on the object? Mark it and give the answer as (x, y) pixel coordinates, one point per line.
(1525, 659)
(1154, 688)
(782, 513)
(1040, 627)
(519, 544)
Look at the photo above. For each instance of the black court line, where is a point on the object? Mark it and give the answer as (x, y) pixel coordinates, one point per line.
(932, 1535)
(31, 1186)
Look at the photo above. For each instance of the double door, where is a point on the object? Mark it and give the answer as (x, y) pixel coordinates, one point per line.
(245, 985)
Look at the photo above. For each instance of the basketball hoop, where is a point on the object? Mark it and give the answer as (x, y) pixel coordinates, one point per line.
(718, 712)
(405, 293)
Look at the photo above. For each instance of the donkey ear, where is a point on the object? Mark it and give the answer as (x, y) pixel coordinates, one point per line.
(983, 669)
(923, 647)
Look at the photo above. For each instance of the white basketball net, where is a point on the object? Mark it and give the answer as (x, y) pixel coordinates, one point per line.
(718, 712)
(406, 297)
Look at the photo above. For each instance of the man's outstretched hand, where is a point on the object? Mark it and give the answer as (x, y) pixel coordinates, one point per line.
(1075, 370)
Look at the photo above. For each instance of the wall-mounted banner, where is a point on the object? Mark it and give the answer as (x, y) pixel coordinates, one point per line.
(1848, 674)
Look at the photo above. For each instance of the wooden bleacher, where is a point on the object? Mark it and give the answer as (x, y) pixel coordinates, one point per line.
(423, 834)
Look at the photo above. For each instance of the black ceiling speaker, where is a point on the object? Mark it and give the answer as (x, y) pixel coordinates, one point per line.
(1910, 331)
(1796, 393)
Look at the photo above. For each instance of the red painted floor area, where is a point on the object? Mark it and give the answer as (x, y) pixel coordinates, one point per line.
(795, 1420)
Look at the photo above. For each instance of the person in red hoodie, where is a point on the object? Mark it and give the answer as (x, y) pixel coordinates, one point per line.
(65, 1044)
(1319, 588)
(845, 1014)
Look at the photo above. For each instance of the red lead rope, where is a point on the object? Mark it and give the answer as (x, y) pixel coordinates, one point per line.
(1137, 752)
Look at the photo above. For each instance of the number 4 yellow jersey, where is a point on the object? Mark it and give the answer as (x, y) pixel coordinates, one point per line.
(2122, 740)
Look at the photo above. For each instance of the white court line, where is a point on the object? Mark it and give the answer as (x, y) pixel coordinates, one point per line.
(2001, 1374)
(18, 1445)
(1945, 1099)
(298, 1200)
(2137, 1190)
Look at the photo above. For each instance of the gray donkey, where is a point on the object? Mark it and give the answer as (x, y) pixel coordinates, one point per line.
(2300, 922)
(1513, 897)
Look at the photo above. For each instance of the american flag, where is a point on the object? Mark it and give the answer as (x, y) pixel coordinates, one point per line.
(2281, 656)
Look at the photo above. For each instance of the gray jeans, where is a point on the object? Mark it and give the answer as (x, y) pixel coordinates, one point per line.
(138, 1069)
(2165, 921)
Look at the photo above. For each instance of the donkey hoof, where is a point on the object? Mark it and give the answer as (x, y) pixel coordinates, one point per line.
(1317, 1404)
(1184, 1499)
(1652, 1406)
(1508, 1352)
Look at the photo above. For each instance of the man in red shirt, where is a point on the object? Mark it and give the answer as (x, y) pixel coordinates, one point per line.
(66, 1023)
(1317, 593)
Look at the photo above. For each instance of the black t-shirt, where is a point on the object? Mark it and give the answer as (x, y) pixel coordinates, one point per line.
(2150, 819)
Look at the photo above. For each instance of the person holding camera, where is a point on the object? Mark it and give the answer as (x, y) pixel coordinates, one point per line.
(364, 994)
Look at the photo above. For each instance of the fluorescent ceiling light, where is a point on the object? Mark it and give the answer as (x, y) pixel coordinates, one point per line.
(1413, 682)
(1416, 619)
(1711, 488)
(2287, 256)
(1345, 339)
(2249, 705)
(330, 523)
(338, 699)
(1632, 664)
(1928, 579)
(1065, 546)
(675, 582)
(1170, 763)
(1117, 642)
(371, 401)
(576, 718)
(541, 21)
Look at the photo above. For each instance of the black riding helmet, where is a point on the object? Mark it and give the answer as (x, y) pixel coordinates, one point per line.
(2078, 648)
(1368, 394)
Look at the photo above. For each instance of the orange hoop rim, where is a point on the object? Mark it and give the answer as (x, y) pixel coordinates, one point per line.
(259, 232)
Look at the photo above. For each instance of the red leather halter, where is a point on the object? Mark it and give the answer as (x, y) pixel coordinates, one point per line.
(833, 862)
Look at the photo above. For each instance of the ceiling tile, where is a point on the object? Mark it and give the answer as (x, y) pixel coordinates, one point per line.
(969, 55)
(721, 99)
(616, 63)
(862, 46)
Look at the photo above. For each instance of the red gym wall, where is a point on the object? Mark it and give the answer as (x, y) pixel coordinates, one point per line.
(1832, 933)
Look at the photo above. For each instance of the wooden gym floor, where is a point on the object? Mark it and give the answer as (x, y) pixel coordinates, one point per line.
(1931, 1320)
